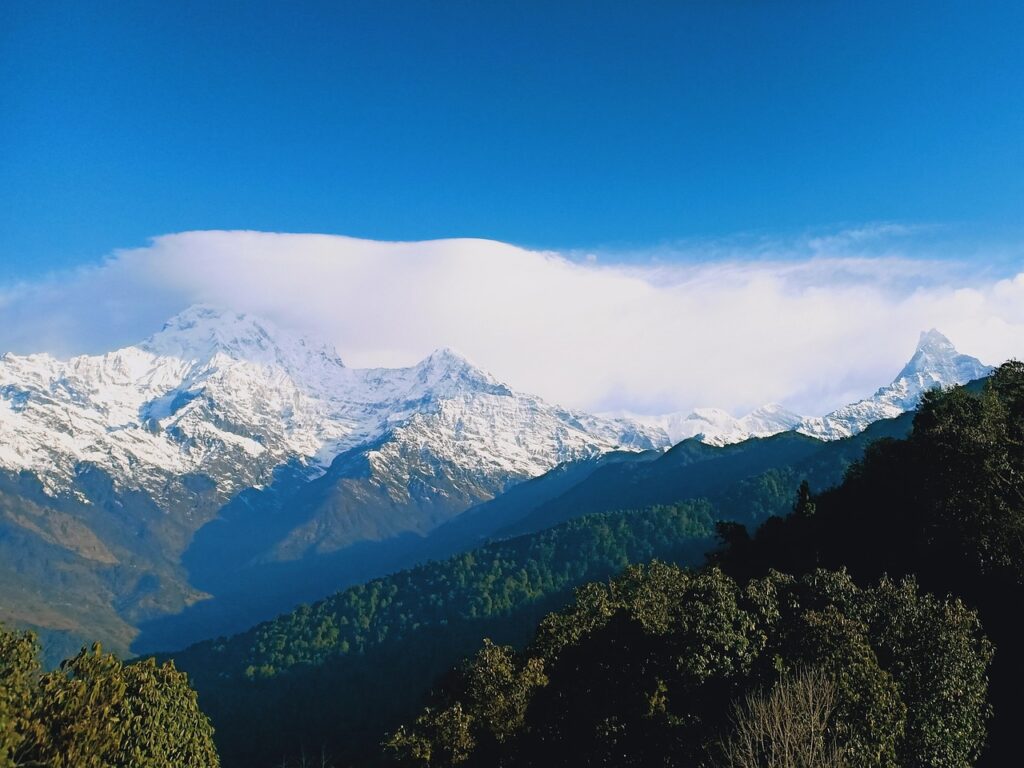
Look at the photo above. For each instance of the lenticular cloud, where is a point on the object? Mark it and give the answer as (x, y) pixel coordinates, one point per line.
(812, 331)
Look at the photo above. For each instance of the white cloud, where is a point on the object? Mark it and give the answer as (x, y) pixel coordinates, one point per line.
(812, 324)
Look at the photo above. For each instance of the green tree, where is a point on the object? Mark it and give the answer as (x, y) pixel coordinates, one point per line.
(937, 651)
(870, 717)
(19, 669)
(946, 505)
(644, 669)
(498, 689)
(96, 712)
(804, 504)
(438, 738)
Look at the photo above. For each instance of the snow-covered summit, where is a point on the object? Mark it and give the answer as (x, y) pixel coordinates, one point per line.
(718, 427)
(202, 332)
(448, 372)
(935, 363)
(232, 396)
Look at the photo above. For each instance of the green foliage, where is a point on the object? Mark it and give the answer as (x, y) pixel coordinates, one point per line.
(645, 670)
(746, 481)
(491, 581)
(368, 655)
(947, 505)
(645, 665)
(498, 688)
(870, 716)
(438, 737)
(95, 712)
(804, 504)
(80, 707)
(19, 668)
(931, 645)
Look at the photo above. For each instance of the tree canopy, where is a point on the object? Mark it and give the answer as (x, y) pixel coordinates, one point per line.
(646, 670)
(946, 505)
(97, 712)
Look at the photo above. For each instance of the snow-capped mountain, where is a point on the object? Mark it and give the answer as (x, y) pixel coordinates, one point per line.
(226, 457)
(936, 363)
(156, 475)
(717, 427)
(232, 397)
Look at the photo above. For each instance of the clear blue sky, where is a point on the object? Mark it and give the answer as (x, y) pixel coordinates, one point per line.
(546, 124)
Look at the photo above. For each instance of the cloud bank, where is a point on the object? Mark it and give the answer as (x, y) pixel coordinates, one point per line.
(812, 326)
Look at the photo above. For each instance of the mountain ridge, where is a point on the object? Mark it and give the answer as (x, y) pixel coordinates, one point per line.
(935, 362)
(150, 445)
(201, 389)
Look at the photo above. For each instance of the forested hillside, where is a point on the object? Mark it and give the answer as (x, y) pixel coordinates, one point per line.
(667, 667)
(946, 505)
(747, 480)
(659, 663)
(337, 674)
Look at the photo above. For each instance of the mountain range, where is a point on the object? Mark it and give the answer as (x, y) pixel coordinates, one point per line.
(935, 363)
(226, 458)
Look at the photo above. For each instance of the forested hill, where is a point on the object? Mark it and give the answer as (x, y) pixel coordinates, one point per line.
(946, 505)
(490, 581)
(747, 481)
(340, 672)
(664, 667)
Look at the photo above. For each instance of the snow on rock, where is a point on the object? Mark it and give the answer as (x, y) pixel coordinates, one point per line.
(936, 363)
(232, 397)
(717, 427)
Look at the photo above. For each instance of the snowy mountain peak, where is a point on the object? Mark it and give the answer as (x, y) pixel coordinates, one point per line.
(936, 359)
(935, 363)
(446, 358)
(772, 410)
(445, 372)
(201, 332)
(232, 397)
(934, 340)
(717, 427)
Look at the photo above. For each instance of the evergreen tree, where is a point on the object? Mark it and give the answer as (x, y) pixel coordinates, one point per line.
(804, 504)
(96, 712)
(19, 669)
(646, 670)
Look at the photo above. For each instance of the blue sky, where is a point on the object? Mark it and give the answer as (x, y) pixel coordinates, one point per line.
(712, 203)
(572, 126)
